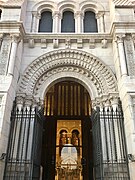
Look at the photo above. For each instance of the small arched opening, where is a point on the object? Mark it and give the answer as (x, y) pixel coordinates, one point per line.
(68, 22)
(46, 22)
(90, 22)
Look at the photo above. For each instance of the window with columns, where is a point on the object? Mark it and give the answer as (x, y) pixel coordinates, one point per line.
(68, 22)
(46, 22)
(90, 22)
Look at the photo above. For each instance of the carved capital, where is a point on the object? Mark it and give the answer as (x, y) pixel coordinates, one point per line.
(99, 14)
(36, 14)
(16, 38)
(20, 101)
(119, 38)
(78, 14)
(28, 101)
(56, 14)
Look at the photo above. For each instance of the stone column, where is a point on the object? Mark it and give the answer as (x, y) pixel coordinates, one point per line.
(122, 57)
(100, 22)
(78, 22)
(56, 22)
(35, 21)
(15, 41)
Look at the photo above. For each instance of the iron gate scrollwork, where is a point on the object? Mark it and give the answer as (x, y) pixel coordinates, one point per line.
(24, 146)
(109, 144)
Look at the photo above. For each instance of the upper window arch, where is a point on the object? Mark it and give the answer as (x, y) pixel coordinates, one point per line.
(46, 22)
(68, 22)
(90, 22)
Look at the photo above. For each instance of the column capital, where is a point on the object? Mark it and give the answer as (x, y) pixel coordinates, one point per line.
(36, 14)
(119, 38)
(56, 14)
(78, 14)
(99, 14)
(15, 38)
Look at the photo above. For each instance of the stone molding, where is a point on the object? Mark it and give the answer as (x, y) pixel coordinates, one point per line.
(68, 60)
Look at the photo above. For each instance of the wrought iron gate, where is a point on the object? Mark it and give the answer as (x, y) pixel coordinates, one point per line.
(24, 146)
(109, 144)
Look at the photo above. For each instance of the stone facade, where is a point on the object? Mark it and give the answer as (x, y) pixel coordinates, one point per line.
(103, 62)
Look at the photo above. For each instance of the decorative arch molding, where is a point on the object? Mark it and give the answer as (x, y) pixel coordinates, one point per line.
(64, 5)
(44, 5)
(68, 61)
(92, 6)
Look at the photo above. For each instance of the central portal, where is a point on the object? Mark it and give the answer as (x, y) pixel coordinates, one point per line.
(67, 136)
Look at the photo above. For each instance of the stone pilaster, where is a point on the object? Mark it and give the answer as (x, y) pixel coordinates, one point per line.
(122, 58)
(15, 40)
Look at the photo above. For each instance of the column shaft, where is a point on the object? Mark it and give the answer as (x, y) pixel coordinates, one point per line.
(15, 40)
(122, 56)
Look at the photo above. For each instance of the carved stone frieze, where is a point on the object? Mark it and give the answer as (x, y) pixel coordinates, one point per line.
(130, 54)
(69, 60)
(4, 54)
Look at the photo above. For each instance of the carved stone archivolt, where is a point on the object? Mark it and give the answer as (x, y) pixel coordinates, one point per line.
(67, 61)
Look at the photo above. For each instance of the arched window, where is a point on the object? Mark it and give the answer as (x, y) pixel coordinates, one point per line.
(90, 22)
(68, 22)
(46, 22)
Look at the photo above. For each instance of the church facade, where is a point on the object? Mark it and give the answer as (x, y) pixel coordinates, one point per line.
(67, 89)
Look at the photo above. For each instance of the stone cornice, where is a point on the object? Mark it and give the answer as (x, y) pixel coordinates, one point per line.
(122, 27)
(12, 27)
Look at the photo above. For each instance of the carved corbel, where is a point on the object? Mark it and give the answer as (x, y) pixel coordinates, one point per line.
(31, 43)
(79, 43)
(55, 43)
(91, 43)
(104, 43)
(67, 43)
(43, 43)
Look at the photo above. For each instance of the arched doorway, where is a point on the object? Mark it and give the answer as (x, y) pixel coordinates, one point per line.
(67, 135)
